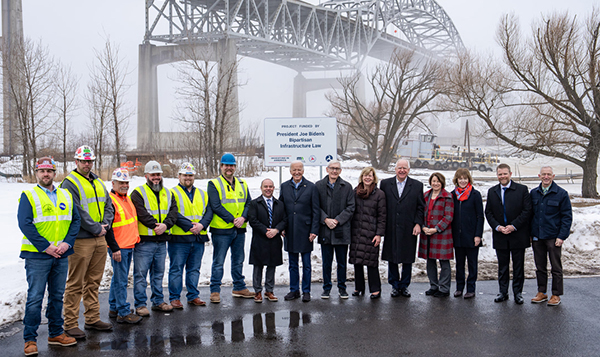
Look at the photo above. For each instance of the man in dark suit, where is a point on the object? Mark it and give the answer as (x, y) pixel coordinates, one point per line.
(301, 201)
(405, 209)
(508, 211)
(267, 217)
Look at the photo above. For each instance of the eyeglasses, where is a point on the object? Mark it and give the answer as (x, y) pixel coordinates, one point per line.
(335, 168)
(91, 162)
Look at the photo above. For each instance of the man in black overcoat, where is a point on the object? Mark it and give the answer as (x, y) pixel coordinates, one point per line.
(301, 201)
(405, 210)
(508, 211)
(267, 218)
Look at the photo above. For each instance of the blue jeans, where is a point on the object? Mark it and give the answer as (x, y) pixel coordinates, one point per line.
(341, 257)
(117, 298)
(188, 255)
(40, 272)
(221, 243)
(148, 257)
(394, 278)
(295, 273)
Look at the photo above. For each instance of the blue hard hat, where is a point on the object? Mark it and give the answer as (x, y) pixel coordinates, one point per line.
(228, 159)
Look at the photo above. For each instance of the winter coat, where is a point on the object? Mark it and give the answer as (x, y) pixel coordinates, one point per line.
(368, 222)
(302, 208)
(552, 213)
(263, 250)
(468, 220)
(399, 244)
(438, 245)
(339, 205)
(518, 214)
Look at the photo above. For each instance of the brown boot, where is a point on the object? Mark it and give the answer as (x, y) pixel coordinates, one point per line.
(164, 307)
(215, 298)
(129, 319)
(197, 302)
(539, 298)
(242, 294)
(75, 333)
(258, 297)
(142, 311)
(269, 295)
(30, 348)
(62, 340)
(99, 326)
(177, 304)
(554, 300)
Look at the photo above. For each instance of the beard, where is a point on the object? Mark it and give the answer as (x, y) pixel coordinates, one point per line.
(155, 187)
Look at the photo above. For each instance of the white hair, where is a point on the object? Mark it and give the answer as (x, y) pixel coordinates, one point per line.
(547, 167)
(297, 162)
(334, 162)
(407, 162)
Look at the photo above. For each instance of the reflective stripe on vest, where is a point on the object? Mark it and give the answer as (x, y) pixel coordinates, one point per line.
(91, 200)
(51, 221)
(194, 211)
(125, 225)
(151, 206)
(232, 200)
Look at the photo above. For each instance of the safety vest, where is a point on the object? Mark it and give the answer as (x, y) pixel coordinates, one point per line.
(51, 221)
(232, 200)
(91, 198)
(194, 211)
(151, 205)
(125, 225)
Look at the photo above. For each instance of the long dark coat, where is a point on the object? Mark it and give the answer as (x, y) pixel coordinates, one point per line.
(263, 250)
(368, 222)
(399, 244)
(438, 245)
(303, 215)
(468, 220)
(518, 213)
(341, 209)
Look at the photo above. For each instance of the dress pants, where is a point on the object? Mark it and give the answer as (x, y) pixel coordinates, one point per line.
(341, 257)
(269, 278)
(542, 249)
(86, 267)
(470, 255)
(443, 283)
(394, 278)
(518, 259)
(295, 273)
(373, 276)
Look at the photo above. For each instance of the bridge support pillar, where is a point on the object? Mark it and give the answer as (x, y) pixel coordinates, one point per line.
(148, 123)
(303, 85)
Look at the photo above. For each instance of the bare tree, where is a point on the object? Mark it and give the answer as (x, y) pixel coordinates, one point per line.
(403, 89)
(98, 114)
(66, 104)
(30, 84)
(545, 97)
(207, 104)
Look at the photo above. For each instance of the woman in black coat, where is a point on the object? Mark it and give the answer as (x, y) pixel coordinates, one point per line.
(368, 225)
(467, 229)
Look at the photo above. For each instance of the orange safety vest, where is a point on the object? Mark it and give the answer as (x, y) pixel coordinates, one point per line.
(125, 223)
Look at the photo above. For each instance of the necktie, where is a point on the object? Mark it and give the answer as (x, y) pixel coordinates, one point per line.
(270, 212)
(503, 205)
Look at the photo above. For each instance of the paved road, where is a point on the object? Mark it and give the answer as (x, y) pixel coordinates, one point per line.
(417, 326)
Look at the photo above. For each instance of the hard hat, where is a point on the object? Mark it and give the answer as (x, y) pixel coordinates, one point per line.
(85, 153)
(228, 159)
(120, 174)
(153, 167)
(187, 169)
(45, 163)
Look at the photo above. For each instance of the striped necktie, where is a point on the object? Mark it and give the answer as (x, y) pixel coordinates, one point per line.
(270, 212)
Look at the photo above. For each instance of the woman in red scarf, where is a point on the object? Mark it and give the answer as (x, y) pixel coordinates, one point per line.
(467, 228)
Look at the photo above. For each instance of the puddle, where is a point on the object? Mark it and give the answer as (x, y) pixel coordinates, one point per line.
(279, 325)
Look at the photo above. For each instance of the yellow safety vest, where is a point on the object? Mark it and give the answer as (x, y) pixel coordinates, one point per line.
(194, 211)
(91, 198)
(151, 205)
(232, 200)
(51, 221)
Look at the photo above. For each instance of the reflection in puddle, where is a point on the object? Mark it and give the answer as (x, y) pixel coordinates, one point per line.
(280, 325)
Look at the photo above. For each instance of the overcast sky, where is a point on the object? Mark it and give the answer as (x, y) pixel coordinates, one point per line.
(73, 28)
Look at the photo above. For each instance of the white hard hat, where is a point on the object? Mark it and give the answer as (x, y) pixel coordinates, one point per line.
(187, 169)
(85, 153)
(120, 174)
(153, 167)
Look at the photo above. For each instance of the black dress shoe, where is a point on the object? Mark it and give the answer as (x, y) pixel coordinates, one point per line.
(395, 292)
(404, 292)
(458, 293)
(441, 294)
(292, 295)
(376, 296)
(358, 293)
(519, 299)
(305, 297)
(431, 292)
(501, 297)
(469, 295)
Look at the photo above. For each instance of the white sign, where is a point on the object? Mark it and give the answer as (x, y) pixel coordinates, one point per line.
(310, 140)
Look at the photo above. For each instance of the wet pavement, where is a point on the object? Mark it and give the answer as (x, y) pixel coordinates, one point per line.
(416, 326)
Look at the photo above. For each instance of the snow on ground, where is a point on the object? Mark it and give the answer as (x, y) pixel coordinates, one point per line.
(580, 253)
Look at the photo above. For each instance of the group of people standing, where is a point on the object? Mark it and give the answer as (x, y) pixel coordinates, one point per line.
(68, 231)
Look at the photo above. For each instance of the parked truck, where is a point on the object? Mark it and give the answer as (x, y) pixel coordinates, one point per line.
(425, 153)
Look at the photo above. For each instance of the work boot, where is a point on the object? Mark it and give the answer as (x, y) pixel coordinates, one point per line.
(75, 333)
(258, 297)
(269, 295)
(539, 298)
(197, 302)
(242, 294)
(129, 319)
(177, 304)
(215, 298)
(163, 306)
(99, 325)
(142, 311)
(62, 340)
(30, 348)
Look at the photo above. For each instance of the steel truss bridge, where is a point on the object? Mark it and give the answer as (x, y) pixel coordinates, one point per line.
(333, 35)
